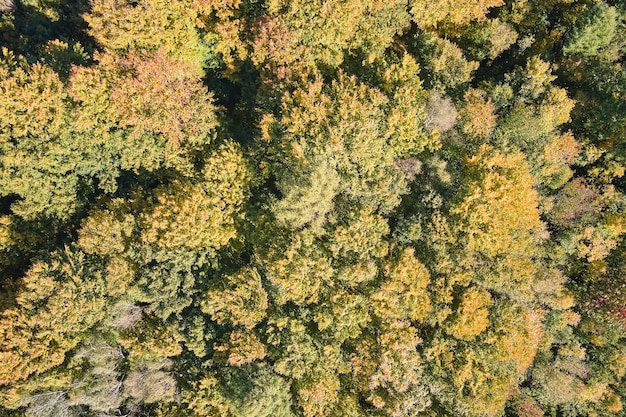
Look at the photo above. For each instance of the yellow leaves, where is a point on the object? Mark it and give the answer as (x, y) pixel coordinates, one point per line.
(6, 238)
(33, 100)
(399, 365)
(299, 273)
(223, 8)
(613, 402)
(318, 394)
(119, 25)
(516, 334)
(465, 374)
(306, 108)
(344, 315)
(595, 243)
(556, 157)
(62, 299)
(238, 299)
(556, 108)
(500, 37)
(478, 377)
(187, 216)
(434, 13)
(361, 237)
(286, 38)
(448, 65)
(407, 118)
(478, 115)
(549, 286)
(403, 295)
(119, 276)
(89, 86)
(297, 36)
(294, 347)
(388, 362)
(228, 174)
(308, 198)
(499, 218)
(201, 215)
(107, 231)
(500, 212)
(341, 136)
(354, 274)
(206, 399)
(537, 77)
(61, 56)
(241, 348)
(472, 315)
(150, 340)
(228, 33)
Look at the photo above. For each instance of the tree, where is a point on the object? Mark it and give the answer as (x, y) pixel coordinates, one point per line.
(402, 295)
(499, 212)
(305, 258)
(444, 65)
(151, 383)
(488, 39)
(295, 37)
(48, 403)
(120, 26)
(595, 29)
(359, 236)
(427, 14)
(308, 196)
(241, 348)
(264, 394)
(472, 316)
(476, 378)
(38, 160)
(98, 383)
(343, 315)
(478, 114)
(556, 159)
(201, 215)
(238, 299)
(388, 370)
(346, 128)
(63, 297)
(441, 113)
(7, 6)
(142, 111)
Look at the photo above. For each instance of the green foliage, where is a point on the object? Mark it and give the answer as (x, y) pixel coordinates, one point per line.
(63, 297)
(347, 127)
(304, 258)
(261, 394)
(39, 155)
(594, 30)
(241, 208)
(428, 14)
(121, 25)
(239, 300)
(298, 35)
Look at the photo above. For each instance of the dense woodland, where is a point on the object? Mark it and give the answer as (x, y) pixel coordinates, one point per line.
(312, 208)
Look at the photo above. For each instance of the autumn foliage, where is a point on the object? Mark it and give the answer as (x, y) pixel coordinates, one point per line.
(306, 208)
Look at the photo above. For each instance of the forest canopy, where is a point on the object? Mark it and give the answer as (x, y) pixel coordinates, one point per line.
(307, 208)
